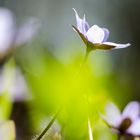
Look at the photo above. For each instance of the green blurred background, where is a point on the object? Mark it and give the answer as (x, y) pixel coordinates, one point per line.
(51, 60)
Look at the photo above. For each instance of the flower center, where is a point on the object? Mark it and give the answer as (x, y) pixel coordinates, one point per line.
(126, 123)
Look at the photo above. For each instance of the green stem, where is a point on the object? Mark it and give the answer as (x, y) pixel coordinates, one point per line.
(86, 55)
(48, 126)
(90, 130)
(82, 64)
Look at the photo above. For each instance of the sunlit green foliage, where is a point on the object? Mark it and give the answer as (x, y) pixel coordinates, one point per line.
(80, 89)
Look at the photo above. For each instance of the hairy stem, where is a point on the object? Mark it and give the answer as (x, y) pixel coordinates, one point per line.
(48, 126)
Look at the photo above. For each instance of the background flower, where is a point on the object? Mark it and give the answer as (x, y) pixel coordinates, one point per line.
(126, 122)
(7, 130)
(13, 83)
(10, 35)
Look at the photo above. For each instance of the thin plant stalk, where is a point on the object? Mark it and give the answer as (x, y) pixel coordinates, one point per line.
(86, 56)
(83, 63)
(90, 130)
(48, 126)
(78, 72)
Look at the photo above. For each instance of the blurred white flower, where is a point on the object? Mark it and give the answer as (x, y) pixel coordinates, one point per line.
(94, 37)
(10, 35)
(127, 122)
(13, 83)
(7, 29)
(7, 130)
(27, 31)
(54, 133)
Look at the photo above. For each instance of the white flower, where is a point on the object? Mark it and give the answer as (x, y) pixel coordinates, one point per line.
(95, 37)
(10, 36)
(7, 130)
(13, 82)
(127, 122)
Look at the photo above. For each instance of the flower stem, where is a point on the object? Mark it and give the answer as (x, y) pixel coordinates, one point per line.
(86, 55)
(82, 64)
(90, 130)
(48, 126)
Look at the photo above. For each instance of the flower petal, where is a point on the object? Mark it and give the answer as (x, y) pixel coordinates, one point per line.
(113, 115)
(132, 111)
(95, 34)
(85, 25)
(134, 129)
(80, 34)
(19, 90)
(79, 21)
(106, 32)
(7, 29)
(27, 31)
(82, 24)
(117, 46)
(7, 130)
